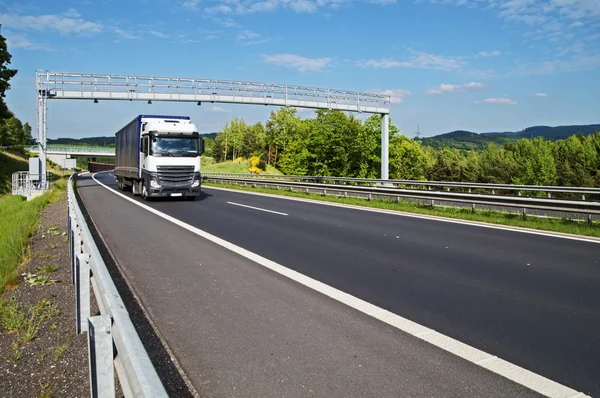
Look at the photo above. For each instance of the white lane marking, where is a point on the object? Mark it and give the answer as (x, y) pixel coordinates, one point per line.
(257, 208)
(480, 224)
(499, 366)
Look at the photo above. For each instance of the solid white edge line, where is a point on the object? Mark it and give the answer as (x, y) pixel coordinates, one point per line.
(480, 224)
(499, 366)
(257, 208)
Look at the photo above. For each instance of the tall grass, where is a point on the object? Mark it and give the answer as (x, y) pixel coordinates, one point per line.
(18, 219)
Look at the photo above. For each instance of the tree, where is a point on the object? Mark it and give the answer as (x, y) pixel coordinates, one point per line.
(576, 161)
(12, 132)
(534, 162)
(407, 159)
(497, 165)
(447, 166)
(5, 75)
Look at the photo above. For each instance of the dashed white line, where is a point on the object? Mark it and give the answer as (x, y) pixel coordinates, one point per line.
(257, 208)
(479, 224)
(478, 357)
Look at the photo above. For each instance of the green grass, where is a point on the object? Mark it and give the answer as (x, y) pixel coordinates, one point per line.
(18, 221)
(10, 163)
(494, 217)
(234, 168)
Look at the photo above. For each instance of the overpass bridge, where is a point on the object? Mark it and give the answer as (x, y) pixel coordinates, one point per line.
(74, 150)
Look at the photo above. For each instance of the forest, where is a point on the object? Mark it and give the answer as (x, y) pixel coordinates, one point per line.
(336, 144)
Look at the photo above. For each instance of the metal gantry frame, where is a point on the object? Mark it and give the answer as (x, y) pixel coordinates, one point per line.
(96, 87)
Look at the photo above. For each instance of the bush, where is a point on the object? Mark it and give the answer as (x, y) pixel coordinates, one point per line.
(262, 165)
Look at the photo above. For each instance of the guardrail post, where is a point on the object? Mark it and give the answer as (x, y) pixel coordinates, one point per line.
(432, 203)
(100, 351)
(82, 292)
(583, 197)
(590, 221)
(473, 208)
(75, 247)
(524, 213)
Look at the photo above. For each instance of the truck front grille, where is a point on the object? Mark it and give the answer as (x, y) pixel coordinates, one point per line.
(175, 175)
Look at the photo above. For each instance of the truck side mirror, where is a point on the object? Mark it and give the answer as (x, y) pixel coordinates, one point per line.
(201, 145)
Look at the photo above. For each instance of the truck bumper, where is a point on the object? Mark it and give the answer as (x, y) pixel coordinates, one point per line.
(173, 191)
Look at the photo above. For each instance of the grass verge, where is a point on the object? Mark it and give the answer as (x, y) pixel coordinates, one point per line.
(18, 220)
(488, 216)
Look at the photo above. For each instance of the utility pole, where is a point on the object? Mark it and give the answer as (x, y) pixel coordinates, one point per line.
(418, 133)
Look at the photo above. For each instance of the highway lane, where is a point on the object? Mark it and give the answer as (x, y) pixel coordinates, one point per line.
(238, 329)
(529, 299)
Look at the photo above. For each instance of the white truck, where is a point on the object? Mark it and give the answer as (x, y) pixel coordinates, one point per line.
(159, 156)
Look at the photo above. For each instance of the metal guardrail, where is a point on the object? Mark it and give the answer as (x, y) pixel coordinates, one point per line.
(24, 183)
(585, 192)
(564, 206)
(113, 342)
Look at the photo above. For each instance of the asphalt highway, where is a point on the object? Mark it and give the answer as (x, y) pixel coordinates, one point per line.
(532, 300)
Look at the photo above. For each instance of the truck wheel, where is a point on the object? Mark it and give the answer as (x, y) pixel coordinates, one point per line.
(144, 192)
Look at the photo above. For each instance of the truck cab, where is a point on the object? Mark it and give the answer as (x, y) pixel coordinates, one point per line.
(167, 156)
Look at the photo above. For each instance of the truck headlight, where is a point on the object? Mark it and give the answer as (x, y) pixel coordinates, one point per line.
(154, 184)
(195, 183)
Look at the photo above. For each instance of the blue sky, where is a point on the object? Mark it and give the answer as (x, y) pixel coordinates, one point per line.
(478, 65)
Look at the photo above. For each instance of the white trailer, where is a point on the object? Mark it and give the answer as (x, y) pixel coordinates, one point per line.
(159, 156)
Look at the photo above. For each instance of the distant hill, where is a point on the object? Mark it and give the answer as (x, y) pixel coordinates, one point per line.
(469, 140)
(99, 141)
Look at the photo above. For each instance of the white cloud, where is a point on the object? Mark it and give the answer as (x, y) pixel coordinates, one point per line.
(456, 88)
(501, 100)
(396, 95)
(256, 6)
(383, 2)
(64, 25)
(191, 4)
(539, 95)
(417, 61)
(247, 35)
(249, 38)
(222, 9)
(303, 64)
(158, 34)
(227, 22)
(494, 53)
(218, 109)
(15, 40)
(124, 34)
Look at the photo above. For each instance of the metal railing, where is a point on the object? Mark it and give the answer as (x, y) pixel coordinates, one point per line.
(74, 149)
(25, 184)
(583, 192)
(113, 342)
(588, 208)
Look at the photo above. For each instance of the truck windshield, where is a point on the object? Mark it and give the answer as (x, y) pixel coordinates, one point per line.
(170, 146)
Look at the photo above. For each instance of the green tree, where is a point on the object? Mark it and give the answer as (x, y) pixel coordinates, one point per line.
(281, 129)
(5, 75)
(497, 165)
(12, 132)
(407, 159)
(576, 161)
(447, 166)
(534, 162)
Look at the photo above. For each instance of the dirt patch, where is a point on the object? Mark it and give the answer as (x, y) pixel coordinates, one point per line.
(40, 353)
